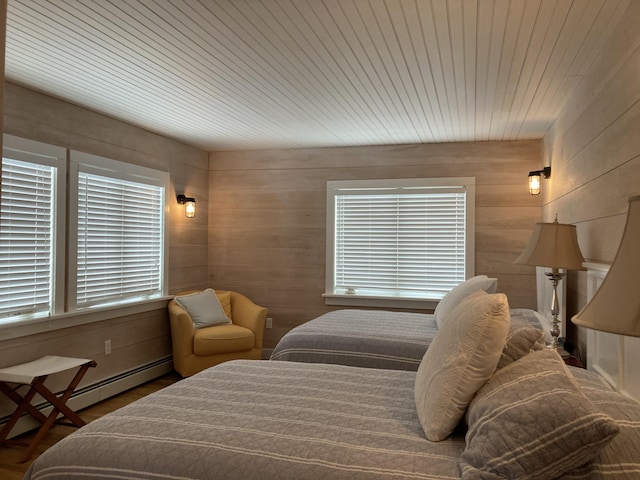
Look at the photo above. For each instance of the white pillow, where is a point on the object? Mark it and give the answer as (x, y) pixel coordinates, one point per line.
(204, 308)
(459, 293)
(461, 358)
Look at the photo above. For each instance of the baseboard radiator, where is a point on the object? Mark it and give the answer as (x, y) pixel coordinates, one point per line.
(97, 392)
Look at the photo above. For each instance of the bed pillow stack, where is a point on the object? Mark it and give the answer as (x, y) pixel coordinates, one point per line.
(528, 419)
(451, 300)
(461, 358)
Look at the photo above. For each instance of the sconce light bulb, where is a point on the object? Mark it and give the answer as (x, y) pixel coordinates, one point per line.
(190, 209)
(534, 184)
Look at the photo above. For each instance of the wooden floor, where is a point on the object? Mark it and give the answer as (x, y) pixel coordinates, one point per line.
(10, 469)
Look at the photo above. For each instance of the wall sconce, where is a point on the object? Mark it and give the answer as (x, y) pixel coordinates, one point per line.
(189, 205)
(535, 179)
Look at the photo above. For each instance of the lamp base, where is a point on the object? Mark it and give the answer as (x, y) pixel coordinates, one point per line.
(555, 276)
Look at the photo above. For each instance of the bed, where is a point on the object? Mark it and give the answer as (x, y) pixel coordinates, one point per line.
(265, 420)
(372, 338)
(287, 420)
(465, 413)
(261, 420)
(384, 339)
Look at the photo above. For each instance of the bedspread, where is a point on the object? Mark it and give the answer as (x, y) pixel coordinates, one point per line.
(369, 338)
(245, 420)
(261, 420)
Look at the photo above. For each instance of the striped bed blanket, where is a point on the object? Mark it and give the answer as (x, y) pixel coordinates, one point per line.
(261, 420)
(245, 420)
(369, 338)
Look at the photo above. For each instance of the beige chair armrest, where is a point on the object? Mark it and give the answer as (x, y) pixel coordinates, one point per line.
(182, 330)
(249, 315)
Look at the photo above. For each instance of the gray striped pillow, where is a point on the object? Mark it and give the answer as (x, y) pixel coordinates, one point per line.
(532, 421)
(522, 339)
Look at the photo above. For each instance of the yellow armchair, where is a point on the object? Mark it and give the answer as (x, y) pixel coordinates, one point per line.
(196, 349)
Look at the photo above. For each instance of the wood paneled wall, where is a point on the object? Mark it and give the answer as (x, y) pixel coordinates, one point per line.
(267, 216)
(594, 151)
(136, 339)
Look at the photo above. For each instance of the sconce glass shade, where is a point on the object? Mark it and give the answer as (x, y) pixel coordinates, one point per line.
(615, 307)
(190, 209)
(553, 245)
(189, 205)
(534, 183)
(535, 179)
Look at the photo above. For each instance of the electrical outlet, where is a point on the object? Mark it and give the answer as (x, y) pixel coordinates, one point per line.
(269, 323)
(107, 347)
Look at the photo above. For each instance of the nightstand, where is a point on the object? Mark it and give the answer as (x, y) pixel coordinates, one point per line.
(569, 359)
(573, 361)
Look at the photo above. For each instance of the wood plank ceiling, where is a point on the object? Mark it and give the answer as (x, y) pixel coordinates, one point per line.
(259, 74)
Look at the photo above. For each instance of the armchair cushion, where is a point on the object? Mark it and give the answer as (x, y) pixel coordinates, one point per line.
(204, 308)
(222, 339)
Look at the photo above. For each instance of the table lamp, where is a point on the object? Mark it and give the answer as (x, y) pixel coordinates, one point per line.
(553, 245)
(615, 307)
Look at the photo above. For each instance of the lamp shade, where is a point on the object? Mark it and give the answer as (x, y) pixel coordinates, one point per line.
(615, 307)
(553, 245)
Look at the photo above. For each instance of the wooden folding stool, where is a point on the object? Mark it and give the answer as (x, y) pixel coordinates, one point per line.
(34, 374)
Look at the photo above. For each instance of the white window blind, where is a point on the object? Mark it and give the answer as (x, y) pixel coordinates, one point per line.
(120, 243)
(26, 243)
(398, 240)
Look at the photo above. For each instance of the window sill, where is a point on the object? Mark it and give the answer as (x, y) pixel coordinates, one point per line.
(21, 328)
(370, 301)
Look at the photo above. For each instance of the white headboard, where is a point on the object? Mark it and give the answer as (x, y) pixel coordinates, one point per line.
(614, 357)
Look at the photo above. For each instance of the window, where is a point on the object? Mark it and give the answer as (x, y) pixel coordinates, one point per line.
(118, 231)
(406, 240)
(32, 241)
(85, 229)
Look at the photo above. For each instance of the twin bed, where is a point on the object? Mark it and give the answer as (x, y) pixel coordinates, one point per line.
(372, 338)
(287, 420)
(380, 338)
(299, 420)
